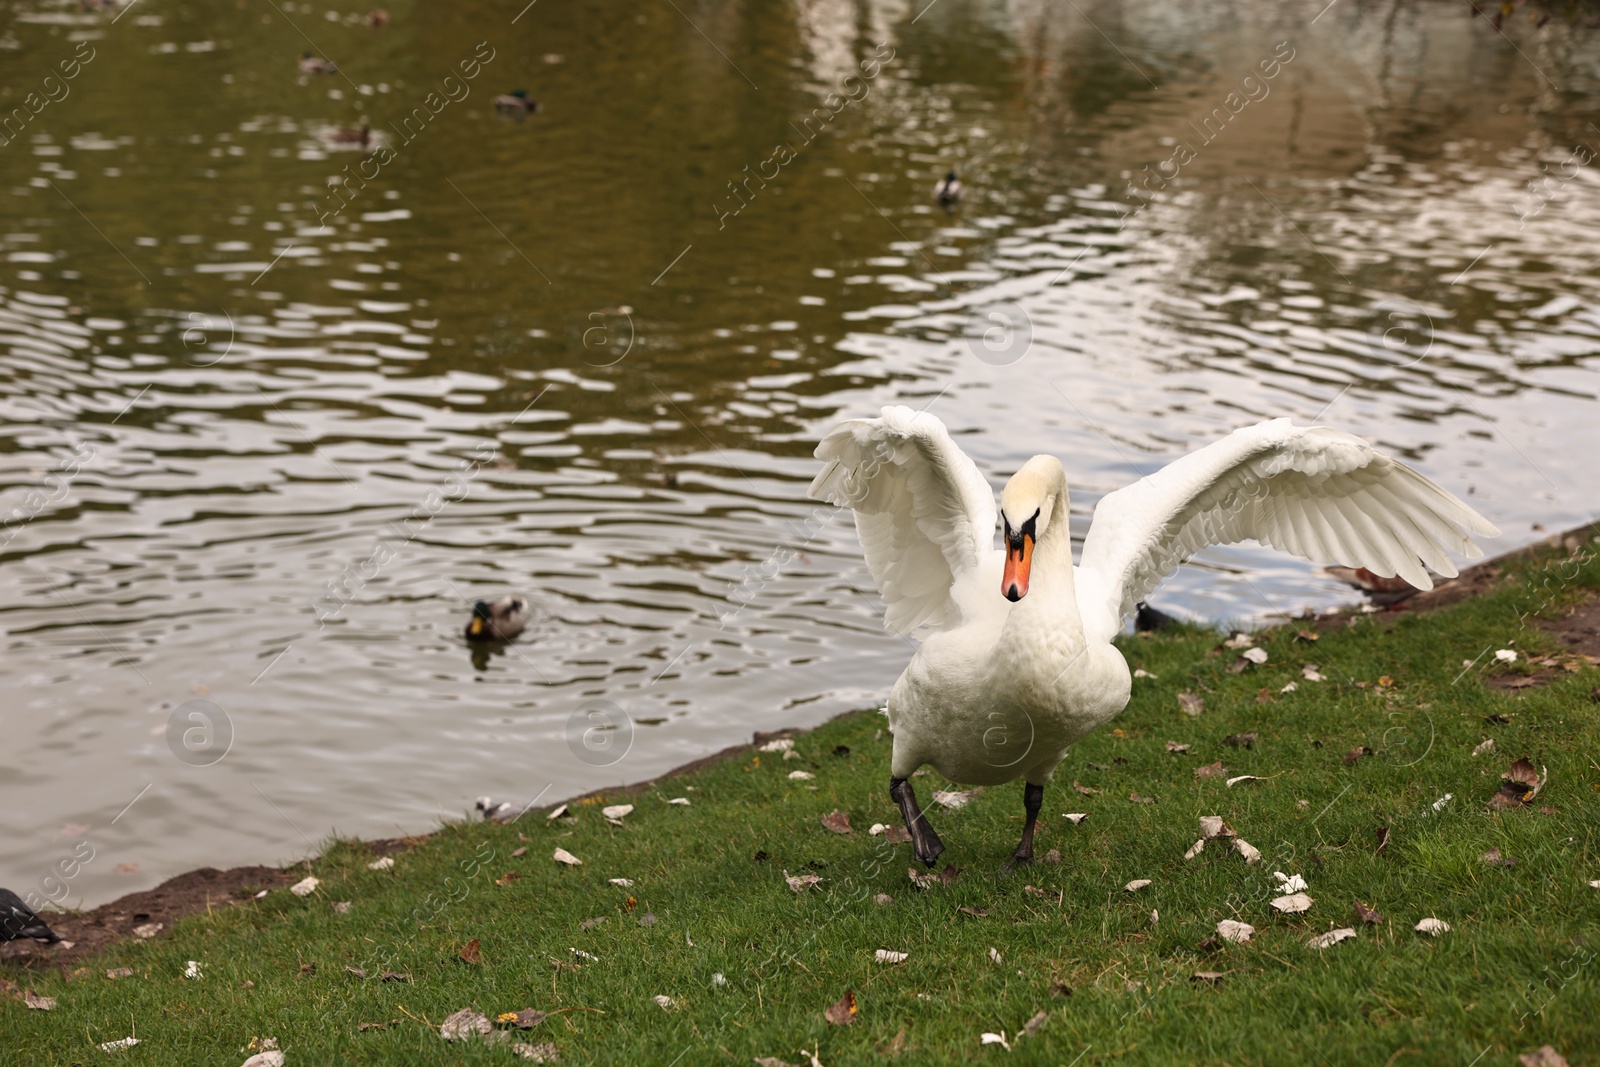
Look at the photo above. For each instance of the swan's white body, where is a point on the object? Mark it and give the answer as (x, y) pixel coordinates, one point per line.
(1000, 690)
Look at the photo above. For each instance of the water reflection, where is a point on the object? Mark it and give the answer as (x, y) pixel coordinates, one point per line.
(267, 463)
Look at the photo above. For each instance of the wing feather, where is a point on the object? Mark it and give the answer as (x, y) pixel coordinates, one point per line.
(1314, 492)
(924, 512)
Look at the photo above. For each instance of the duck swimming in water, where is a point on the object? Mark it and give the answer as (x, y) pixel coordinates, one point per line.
(948, 191)
(498, 620)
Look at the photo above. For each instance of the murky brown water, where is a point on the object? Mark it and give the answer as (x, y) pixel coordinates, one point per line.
(254, 461)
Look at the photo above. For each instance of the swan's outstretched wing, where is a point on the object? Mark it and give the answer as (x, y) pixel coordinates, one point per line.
(1318, 493)
(924, 512)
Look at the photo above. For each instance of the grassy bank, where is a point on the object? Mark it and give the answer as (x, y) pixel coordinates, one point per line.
(709, 897)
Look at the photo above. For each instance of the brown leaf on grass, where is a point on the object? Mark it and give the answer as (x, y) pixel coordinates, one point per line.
(1035, 1024)
(1244, 740)
(1543, 1056)
(976, 913)
(837, 821)
(523, 851)
(590, 924)
(395, 976)
(509, 877)
(1190, 703)
(897, 835)
(842, 1013)
(1383, 838)
(801, 882)
(37, 1002)
(1214, 826)
(1211, 770)
(773, 1061)
(526, 1019)
(119, 972)
(1035, 891)
(1264, 696)
(464, 1024)
(1137, 799)
(1519, 785)
(540, 1052)
(364, 1027)
(308, 969)
(1207, 977)
(950, 873)
(357, 971)
(1367, 915)
(1053, 857)
(1087, 791)
(648, 919)
(1060, 988)
(1174, 746)
(894, 1046)
(1357, 754)
(471, 953)
(1495, 858)
(1307, 635)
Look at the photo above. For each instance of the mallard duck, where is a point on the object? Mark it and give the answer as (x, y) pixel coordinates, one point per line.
(498, 620)
(948, 191)
(310, 64)
(1017, 663)
(345, 135)
(17, 920)
(516, 100)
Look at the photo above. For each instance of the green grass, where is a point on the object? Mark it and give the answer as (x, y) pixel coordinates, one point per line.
(1517, 970)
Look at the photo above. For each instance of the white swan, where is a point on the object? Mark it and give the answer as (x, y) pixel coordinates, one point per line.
(1017, 662)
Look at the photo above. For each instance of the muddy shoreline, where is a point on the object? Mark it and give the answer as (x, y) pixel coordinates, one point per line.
(91, 932)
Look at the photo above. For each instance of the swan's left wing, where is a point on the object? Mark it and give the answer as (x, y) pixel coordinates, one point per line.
(924, 511)
(1318, 493)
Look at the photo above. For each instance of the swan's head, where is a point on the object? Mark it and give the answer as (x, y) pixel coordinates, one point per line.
(1031, 498)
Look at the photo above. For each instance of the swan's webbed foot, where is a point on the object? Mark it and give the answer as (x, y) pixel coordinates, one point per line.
(1032, 801)
(924, 841)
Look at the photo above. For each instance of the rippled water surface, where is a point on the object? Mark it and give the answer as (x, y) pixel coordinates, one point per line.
(262, 444)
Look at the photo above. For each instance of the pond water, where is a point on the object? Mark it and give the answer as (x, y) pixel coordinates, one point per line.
(263, 443)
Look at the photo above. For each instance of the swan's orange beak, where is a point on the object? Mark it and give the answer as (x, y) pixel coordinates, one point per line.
(1019, 557)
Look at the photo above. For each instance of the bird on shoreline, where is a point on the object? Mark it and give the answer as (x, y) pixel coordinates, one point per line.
(310, 64)
(948, 191)
(1017, 662)
(498, 620)
(350, 136)
(503, 812)
(516, 100)
(17, 921)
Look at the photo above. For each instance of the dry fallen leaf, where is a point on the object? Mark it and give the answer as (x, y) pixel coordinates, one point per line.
(1211, 770)
(988, 1038)
(666, 1003)
(1332, 937)
(1366, 914)
(464, 1024)
(561, 855)
(560, 812)
(1383, 838)
(1433, 926)
(1136, 885)
(590, 924)
(1485, 748)
(1519, 785)
(1293, 903)
(385, 863)
(1053, 857)
(837, 821)
(510, 876)
(1086, 790)
(1190, 703)
(884, 955)
(1214, 826)
(1075, 817)
(976, 913)
(782, 744)
(1195, 849)
(1310, 673)
(148, 930)
(1208, 977)
(994, 956)
(617, 811)
(1357, 754)
(1495, 858)
(1242, 778)
(519, 852)
(471, 953)
(1257, 656)
(801, 882)
(883, 899)
(37, 1002)
(625, 883)
(119, 972)
(1237, 932)
(526, 1019)
(306, 886)
(1251, 854)
(801, 776)
(538, 1052)
(842, 1013)
(1543, 1056)
(1174, 746)
(1244, 740)
(1035, 1024)
(342, 907)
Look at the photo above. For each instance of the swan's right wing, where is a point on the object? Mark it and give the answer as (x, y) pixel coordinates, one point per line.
(924, 512)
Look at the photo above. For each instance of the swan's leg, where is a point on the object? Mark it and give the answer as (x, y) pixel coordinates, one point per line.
(1032, 801)
(923, 839)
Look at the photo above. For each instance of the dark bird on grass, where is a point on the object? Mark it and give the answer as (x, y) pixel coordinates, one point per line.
(310, 64)
(948, 191)
(17, 920)
(516, 100)
(1018, 662)
(1148, 620)
(498, 620)
(505, 811)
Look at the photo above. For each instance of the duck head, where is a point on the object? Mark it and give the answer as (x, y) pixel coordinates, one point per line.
(480, 619)
(1029, 503)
